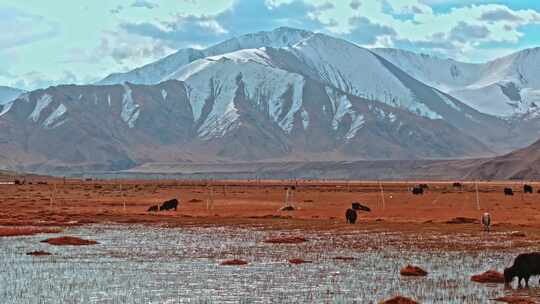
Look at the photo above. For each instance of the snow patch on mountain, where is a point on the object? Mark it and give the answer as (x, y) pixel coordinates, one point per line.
(54, 116)
(356, 125)
(305, 119)
(340, 106)
(130, 110)
(357, 71)
(444, 74)
(163, 69)
(41, 104)
(296, 82)
(218, 126)
(5, 108)
(216, 82)
(164, 94)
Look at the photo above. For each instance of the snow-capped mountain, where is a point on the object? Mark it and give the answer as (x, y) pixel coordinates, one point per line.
(270, 72)
(506, 87)
(162, 69)
(7, 94)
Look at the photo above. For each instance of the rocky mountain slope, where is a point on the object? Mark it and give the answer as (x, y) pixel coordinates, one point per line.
(118, 126)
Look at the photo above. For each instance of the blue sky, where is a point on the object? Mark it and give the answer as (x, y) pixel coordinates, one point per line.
(45, 43)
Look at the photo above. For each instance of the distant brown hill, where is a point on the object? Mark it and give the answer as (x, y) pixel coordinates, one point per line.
(520, 164)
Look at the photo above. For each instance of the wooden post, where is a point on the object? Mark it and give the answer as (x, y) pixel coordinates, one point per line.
(209, 198)
(477, 196)
(382, 195)
(53, 193)
(123, 198)
(522, 191)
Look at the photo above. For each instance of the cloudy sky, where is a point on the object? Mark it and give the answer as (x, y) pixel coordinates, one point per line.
(64, 41)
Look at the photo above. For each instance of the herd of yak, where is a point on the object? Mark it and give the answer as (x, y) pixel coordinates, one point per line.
(524, 266)
(350, 215)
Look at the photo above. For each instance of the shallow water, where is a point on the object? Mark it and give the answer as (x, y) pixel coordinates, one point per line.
(140, 264)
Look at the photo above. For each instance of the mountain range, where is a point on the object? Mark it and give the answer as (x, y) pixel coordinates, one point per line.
(286, 94)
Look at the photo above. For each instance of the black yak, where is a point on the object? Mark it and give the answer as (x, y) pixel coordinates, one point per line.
(457, 185)
(525, 266)
(358, 206)
(508, 191)
(417, 190)
(527, 189)
(153, 208)
(169, 205)
(351, 216)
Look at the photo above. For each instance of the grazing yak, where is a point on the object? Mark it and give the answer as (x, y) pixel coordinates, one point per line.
(417, 190)
(169, 205)
(351, 216)
(457, 185)
(508, 191)
(486, 221)
(527, 189)
(360, 207)
(525, 266)
(154, 208)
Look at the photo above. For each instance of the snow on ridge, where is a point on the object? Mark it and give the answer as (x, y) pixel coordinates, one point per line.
(341, 106)
(130, 110)
(265, 87)
(423, 110)
(216, 126)
(287, 122)
(244, 55)
(355, 70)
(162, 69)
(444, 74)
(356, 125)
(41, 104)
(54, 116)
(305, 119)
(164, 94)
(5, 108)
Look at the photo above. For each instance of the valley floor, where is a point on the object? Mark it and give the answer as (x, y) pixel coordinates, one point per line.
(401, 228)
(320, 205)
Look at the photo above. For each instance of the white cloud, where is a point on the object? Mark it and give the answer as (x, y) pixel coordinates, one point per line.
(453, 33)
(20, 28)
(144, 4)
